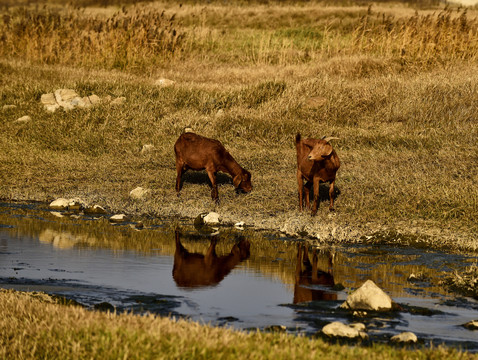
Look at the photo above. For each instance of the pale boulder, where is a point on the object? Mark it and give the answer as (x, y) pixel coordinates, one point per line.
(368, 297)
(338, 329)
(119, 218)
(67, 98)
(23, 120)
(213, 218)
(49, 102)
(404, 337)
(60, 204)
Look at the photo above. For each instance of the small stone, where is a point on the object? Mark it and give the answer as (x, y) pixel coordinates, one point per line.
(212, 218)
(60, 204)
(49, 102)
(23, 120)
(119, 218)
(164, 82)
(95, 209)
(239, 225)
(147, 149)
(404, 337)
(64, 98)
(338, 329)
(8, 107)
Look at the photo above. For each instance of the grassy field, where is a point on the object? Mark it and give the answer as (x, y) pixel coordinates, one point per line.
(396, 82)
(36, 326)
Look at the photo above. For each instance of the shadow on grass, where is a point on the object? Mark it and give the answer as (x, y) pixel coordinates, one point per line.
(323, 193)
(201, 177)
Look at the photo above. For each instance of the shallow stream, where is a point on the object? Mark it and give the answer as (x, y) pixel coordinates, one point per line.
(238, 278)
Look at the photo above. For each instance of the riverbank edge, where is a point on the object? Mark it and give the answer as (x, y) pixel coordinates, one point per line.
(332, 229)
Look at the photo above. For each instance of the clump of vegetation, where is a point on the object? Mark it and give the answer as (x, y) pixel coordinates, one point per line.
(130, 38)
(465, 283)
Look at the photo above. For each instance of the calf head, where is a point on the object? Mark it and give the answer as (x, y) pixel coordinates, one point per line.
(322, 150)
(242, 181)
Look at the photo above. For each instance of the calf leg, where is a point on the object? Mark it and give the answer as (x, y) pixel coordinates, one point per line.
(316, 196)
(179, 172)
(332, 195)
(212, 177)
(300, 185)
(307, 187)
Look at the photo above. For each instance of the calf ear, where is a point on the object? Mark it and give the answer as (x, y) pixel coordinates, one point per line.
(237, 180)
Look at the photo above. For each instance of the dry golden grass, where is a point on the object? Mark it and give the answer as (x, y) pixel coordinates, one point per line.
(252, 76)
(34, 326)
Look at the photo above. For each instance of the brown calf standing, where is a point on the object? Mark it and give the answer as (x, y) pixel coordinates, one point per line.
(307, 274)
(196, 270)
(198, 153)
(317, 162)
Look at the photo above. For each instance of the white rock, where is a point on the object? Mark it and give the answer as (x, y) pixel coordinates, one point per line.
(239, 225)
(338, 329)
(368, 297)
(64, 98)
(164, 82)
(119, 218)
(49, 102)
(60, 204)
(8, 107)
(95, 209)
(147, 148)
(140, 194)
(23, 120)
(212, 218)
(404, 337)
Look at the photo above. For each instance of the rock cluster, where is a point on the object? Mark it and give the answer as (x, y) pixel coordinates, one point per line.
(68, 99)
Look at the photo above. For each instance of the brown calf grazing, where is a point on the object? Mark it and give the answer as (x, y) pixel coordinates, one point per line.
(198, 153)
(307, 275)
(317, 162)
(197, 270)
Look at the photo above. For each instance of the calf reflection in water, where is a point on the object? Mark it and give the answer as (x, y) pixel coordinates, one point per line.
(307, 275)
(197, 270)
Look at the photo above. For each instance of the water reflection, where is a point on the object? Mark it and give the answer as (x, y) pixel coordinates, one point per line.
(192, 269)
(308, 277)
(244, 279)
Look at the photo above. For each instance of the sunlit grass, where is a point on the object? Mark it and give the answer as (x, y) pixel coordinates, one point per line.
(35, 326)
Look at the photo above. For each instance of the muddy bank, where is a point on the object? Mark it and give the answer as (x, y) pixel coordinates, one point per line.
(325, 227)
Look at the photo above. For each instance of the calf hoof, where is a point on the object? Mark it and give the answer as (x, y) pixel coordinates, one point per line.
(313, 213)
(331, 209)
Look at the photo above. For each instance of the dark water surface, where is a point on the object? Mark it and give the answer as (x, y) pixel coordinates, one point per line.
(251, 280)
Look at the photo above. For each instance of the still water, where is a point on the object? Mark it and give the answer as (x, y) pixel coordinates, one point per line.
(243, 279)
